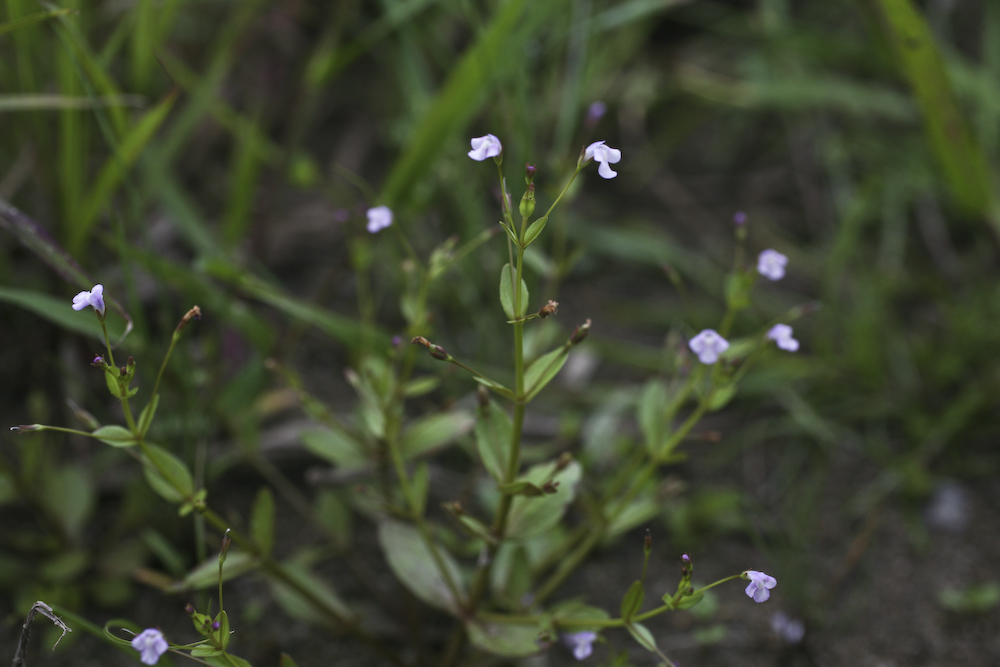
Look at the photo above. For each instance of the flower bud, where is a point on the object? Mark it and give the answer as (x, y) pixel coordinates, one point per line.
(580, 333)
(216, 625)
(189, 608)
(98, 361)
(527, 206)
(226, 541)
(551, 308)
(193, 314)
(529, 173)
(550, 487)
(647, 542)
(436, 351)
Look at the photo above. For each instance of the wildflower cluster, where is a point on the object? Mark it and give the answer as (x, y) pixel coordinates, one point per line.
(525, 551)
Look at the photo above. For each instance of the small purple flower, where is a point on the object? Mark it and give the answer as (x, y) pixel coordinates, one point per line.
(379, 218)
(596, 111)
(95, 298)
(740, 218)
(782, 335)
(708, 345)
(787, 628)
(604, 155)
(484, 147)
(771, 264)
(151, 645)
(580, 643)
(760, 584)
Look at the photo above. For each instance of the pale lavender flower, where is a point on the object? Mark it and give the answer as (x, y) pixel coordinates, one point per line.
(787, 628)
(151, 645)
(580, 643)
(484, 147)
(596, 111)
(708, 345)
(771, 264)
(760, 584)
(95, 298)
(740, 218)
(379, 218)
(782, 335)
(604, 155)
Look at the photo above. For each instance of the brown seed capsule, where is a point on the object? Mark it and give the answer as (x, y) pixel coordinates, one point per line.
(548, 309)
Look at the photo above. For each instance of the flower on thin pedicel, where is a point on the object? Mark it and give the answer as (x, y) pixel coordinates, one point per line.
(581, 643)
(782, 335)
(604, 155)
(708, 345)
(759, 588)
(379, 218)
(151, 645)
(95, 298)
(771, 264)
(484, 147)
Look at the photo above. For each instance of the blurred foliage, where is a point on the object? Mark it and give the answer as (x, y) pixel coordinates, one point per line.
(223, 153)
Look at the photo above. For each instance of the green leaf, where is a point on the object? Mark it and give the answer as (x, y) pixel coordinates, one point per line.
(521, 488)
(435, 431)
(336, 446)
(507, 293)
(722, 396)
(206, 574)
(38, 17)
(421, 386)
(463, 93)
(167, 475)
(111, 380)
(632, 602)
(58, 312)
(576, 610)
(960, 157)
(533, 516)
(227, 660)
(689, 601)
(738, 288)
(419, 486)
(495, 386)
(206, 651)
(299, 607)
(534, 229)
(504, 639)
(111, 175)
(493, 438)
(286, 660)
(651, 414)
(116, 436)
(413, 564)
(642, 635)
(542, 370)
(147, 414)
(70, 497)
(262, 521)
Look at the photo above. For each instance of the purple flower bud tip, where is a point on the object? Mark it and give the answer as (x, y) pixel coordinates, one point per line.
(98, 360)
(596, 111)
(686, 558)
(397, 341)
(216, 625)
(740, 218)
(151, 645)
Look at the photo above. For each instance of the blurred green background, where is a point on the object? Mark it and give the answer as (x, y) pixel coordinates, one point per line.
(223, 153)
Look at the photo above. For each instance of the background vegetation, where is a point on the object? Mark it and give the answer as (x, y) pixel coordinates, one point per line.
(223, 153)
